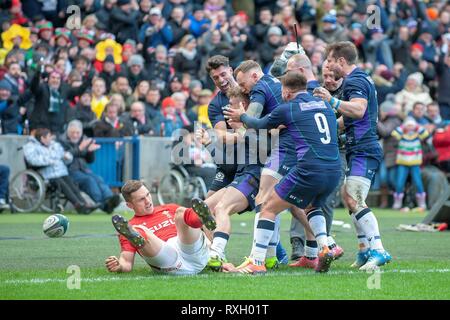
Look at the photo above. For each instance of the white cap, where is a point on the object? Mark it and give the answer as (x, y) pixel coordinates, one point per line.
(155, 11)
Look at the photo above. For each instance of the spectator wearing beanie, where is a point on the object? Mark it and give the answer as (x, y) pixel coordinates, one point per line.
(135, 70)
(109, 73)
(416, 63)
(170, 121)
(413, 92)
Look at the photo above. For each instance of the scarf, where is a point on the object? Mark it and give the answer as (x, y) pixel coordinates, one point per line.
(55, 103)
(190, 55)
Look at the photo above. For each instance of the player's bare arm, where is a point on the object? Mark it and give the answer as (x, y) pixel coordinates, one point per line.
(355, 108)
(122, 264)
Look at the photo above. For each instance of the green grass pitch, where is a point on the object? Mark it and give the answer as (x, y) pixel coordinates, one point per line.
(33, 266)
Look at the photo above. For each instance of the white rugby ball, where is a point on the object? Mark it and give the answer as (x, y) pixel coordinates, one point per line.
(55, 226)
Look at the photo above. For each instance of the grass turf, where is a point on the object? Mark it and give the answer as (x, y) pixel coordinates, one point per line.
(33, 266)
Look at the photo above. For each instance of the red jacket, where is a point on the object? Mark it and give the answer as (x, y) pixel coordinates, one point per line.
(441, 142)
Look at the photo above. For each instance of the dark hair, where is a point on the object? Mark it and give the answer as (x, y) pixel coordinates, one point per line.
(41, 133)
(293, 80)
(216, 62)
(130, 187)
(417, 103)
(343, 49)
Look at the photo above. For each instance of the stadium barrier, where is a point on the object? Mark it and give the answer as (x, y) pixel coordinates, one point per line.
(118, 159)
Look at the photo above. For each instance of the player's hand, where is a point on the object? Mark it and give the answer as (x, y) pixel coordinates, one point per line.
(228, 267)
(112, 264)
(234, 114)
(202, 135)
(322, 93)
(234, 125)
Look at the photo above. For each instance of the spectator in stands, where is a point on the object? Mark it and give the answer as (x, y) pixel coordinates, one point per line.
(155, 31)
(175, 85)
(9, 111)
(199, 23)
(441, 142)
(17, 79)
(124, 20)
(198, 161)
(401, 45)
(443, 75)
(118, 100)
(138, 120)
(195, 88)
(153, 103)
(272, 43)
(99, 98)
(180, 107)
(111, 125)
(170, 120)
(409, 159)
(387, 81)
(179, 25)
(188, 58)
(416, 63)
(157, 66)
(377, 49)
(50, 105)
(433, 114)
(140, 92)
(83, 150)
(83, 112)
(331, 31)
(136, 72)
(413, 92)
(200, 111)
(109, 73)
(418, 113)
(390, 119)
(122, 87)
(49, 157)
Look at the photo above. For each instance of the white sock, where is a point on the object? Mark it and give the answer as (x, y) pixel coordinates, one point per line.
(310, 250)
(362, 240)
(272, 248)
(369, 225)
(330, 241)
(220, 240)
(264, 232)
(319, 227)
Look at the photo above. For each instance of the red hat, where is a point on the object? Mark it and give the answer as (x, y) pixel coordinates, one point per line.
(418, 46)
(167, 102)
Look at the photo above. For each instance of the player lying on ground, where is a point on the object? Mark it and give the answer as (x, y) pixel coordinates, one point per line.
(169, 238)
(313, 128)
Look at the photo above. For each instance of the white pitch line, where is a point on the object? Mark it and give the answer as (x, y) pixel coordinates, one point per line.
(269, 274)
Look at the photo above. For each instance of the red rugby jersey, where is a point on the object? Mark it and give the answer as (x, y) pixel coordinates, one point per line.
(161, 222)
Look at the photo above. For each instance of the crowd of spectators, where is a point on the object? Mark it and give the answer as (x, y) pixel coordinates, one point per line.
(129, 67)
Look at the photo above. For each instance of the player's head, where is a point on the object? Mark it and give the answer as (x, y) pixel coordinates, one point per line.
(339, 56)
(218, 68)
(299, 62)
(329, 82)
(236, 96)
(292, 83)
(247, 74)
(137, 197)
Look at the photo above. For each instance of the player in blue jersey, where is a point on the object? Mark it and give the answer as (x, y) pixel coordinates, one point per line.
(359, 107)
(235, 188)
(265, 96)
(306, 252)
(312, 126)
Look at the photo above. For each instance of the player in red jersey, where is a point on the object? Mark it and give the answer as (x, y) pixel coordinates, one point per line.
(169, 238)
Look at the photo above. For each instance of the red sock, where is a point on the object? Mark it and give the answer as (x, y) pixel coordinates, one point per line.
(192, 219)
